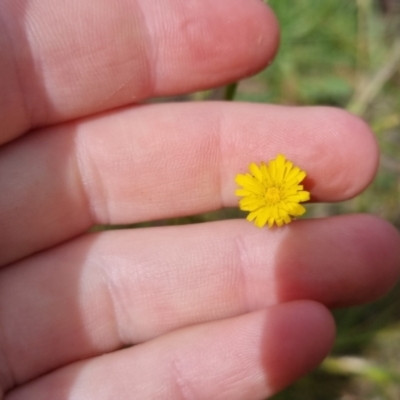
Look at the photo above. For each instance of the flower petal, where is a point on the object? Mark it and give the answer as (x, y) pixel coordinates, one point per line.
(256, 172)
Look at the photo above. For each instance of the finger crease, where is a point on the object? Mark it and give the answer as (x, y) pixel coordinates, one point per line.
(243, 265)
(182, 390)
(97, 209)
(112, 289)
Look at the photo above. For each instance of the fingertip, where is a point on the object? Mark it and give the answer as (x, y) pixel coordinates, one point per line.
(364, 159)
(340, 261)
(300, 338)
(337, 150)
(266, 40)
(350, 155)
(229, 41)
(381, 241)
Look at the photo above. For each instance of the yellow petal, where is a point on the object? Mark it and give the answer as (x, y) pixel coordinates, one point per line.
(304, 195)
(262, 218)
(249, 183)
(243, 192)
(279, 222)
(291, 176)
(272, 170)
(267, 178)
(288, 168)
(256, 172)
(252, 216)
(298, 210)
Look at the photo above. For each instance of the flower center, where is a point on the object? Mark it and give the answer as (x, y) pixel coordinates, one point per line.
(273, 195)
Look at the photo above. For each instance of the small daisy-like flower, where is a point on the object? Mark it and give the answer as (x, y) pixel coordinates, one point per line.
(272, 192)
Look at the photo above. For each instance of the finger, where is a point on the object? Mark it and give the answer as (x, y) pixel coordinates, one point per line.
(125, 287)
(251, 356)
(63, 60)
(156, 162)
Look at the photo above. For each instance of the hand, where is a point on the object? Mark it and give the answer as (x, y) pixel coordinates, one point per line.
(216, 311)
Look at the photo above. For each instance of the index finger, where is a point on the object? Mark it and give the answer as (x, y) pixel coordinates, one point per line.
(63, 60)
(163, 161)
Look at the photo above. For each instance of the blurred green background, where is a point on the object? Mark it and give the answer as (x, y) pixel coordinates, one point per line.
(344, 53)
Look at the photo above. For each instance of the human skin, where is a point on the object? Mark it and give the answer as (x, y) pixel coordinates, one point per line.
(219, 310)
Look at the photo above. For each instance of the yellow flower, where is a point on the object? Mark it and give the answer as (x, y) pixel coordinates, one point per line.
(272, 192)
